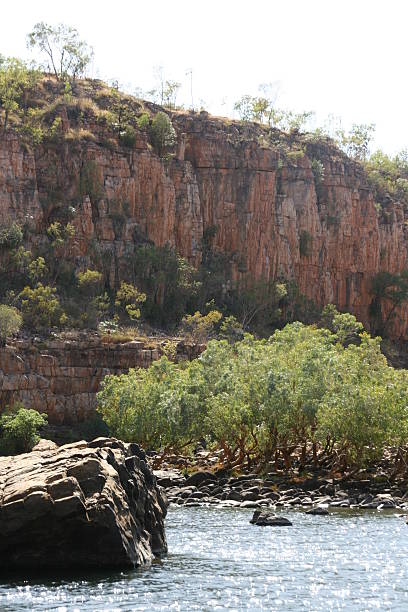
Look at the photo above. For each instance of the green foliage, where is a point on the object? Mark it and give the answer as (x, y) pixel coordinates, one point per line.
(356, 142)
(10, 322)
(162, 133)
(257, 303)
(90, 282)
(128, 300)
(300, 391)
(16, 79)
(59, 234)
(200, 328)
(143, 121)
(41, 308)
(156, 407)
(66, 55)
(318, 171)
(388, 177)
(18, 429)
(170, 283)
(231, 330)
(37, 269)
(344, 326)
(90, 181)
(11, 236)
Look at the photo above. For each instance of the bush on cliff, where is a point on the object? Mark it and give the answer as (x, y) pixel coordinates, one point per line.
(19, 429)
(10, 322)
(302, 393)
(162, 133)
(41, 308)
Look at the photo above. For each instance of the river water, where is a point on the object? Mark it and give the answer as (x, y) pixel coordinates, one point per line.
(217, 560)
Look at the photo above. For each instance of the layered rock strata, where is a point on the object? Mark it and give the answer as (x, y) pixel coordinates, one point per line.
(62, 377)
(80, 505)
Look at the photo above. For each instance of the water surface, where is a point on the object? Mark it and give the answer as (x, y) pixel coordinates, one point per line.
(217, 561)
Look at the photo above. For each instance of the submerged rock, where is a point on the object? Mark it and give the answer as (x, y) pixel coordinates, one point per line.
(85, 504)
(266, 518)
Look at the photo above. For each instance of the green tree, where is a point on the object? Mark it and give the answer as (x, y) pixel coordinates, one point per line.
(16, 80)
(10, 322)
(97, 303)
(162, 133)
(356, 142)
(19, 429)
(66, 54)
(199, 328)
(11, 236)
(41, 308)
(128, 301)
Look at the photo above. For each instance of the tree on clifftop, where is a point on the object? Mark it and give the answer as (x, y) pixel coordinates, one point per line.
(66, 54)
(162, 133)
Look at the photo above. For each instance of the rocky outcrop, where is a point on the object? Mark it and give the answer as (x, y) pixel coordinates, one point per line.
(89, 505)
(62, 376)
(265, 208)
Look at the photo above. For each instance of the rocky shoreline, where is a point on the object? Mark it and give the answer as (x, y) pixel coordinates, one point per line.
(206, 488)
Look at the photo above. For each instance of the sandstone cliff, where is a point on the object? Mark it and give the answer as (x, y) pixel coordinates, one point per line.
(271, 217)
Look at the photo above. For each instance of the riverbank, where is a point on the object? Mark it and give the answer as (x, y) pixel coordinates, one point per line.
(203, 484)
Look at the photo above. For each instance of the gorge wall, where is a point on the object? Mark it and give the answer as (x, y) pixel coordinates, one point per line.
(261, 203)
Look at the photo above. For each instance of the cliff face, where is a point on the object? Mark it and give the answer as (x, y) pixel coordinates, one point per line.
(62, 376)
(270, 214)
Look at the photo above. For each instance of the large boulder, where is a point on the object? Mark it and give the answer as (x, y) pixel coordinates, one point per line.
(84, 504)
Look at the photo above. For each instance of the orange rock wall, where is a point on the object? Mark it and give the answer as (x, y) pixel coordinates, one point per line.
(260, 203)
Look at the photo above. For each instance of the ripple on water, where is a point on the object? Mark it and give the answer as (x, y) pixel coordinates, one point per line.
(217, 561)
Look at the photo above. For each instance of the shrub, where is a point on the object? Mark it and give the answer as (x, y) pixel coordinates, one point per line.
(11, 236)
(143, 121)
(231, 330)
(41, 308)
(128, 299)
(18, 429)
(162, 133)
(90, 282)
(200, 328)
(10, 322)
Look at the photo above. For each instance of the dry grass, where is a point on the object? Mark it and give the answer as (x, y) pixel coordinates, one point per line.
(78, 134)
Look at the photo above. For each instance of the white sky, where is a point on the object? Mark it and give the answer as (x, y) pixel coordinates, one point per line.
(343, 57)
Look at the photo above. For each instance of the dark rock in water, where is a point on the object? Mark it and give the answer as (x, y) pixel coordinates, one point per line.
(318, 510)
(266, 518)
(81, 505)
(199, 477)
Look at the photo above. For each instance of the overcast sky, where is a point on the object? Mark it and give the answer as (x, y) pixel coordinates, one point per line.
(347, 58)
